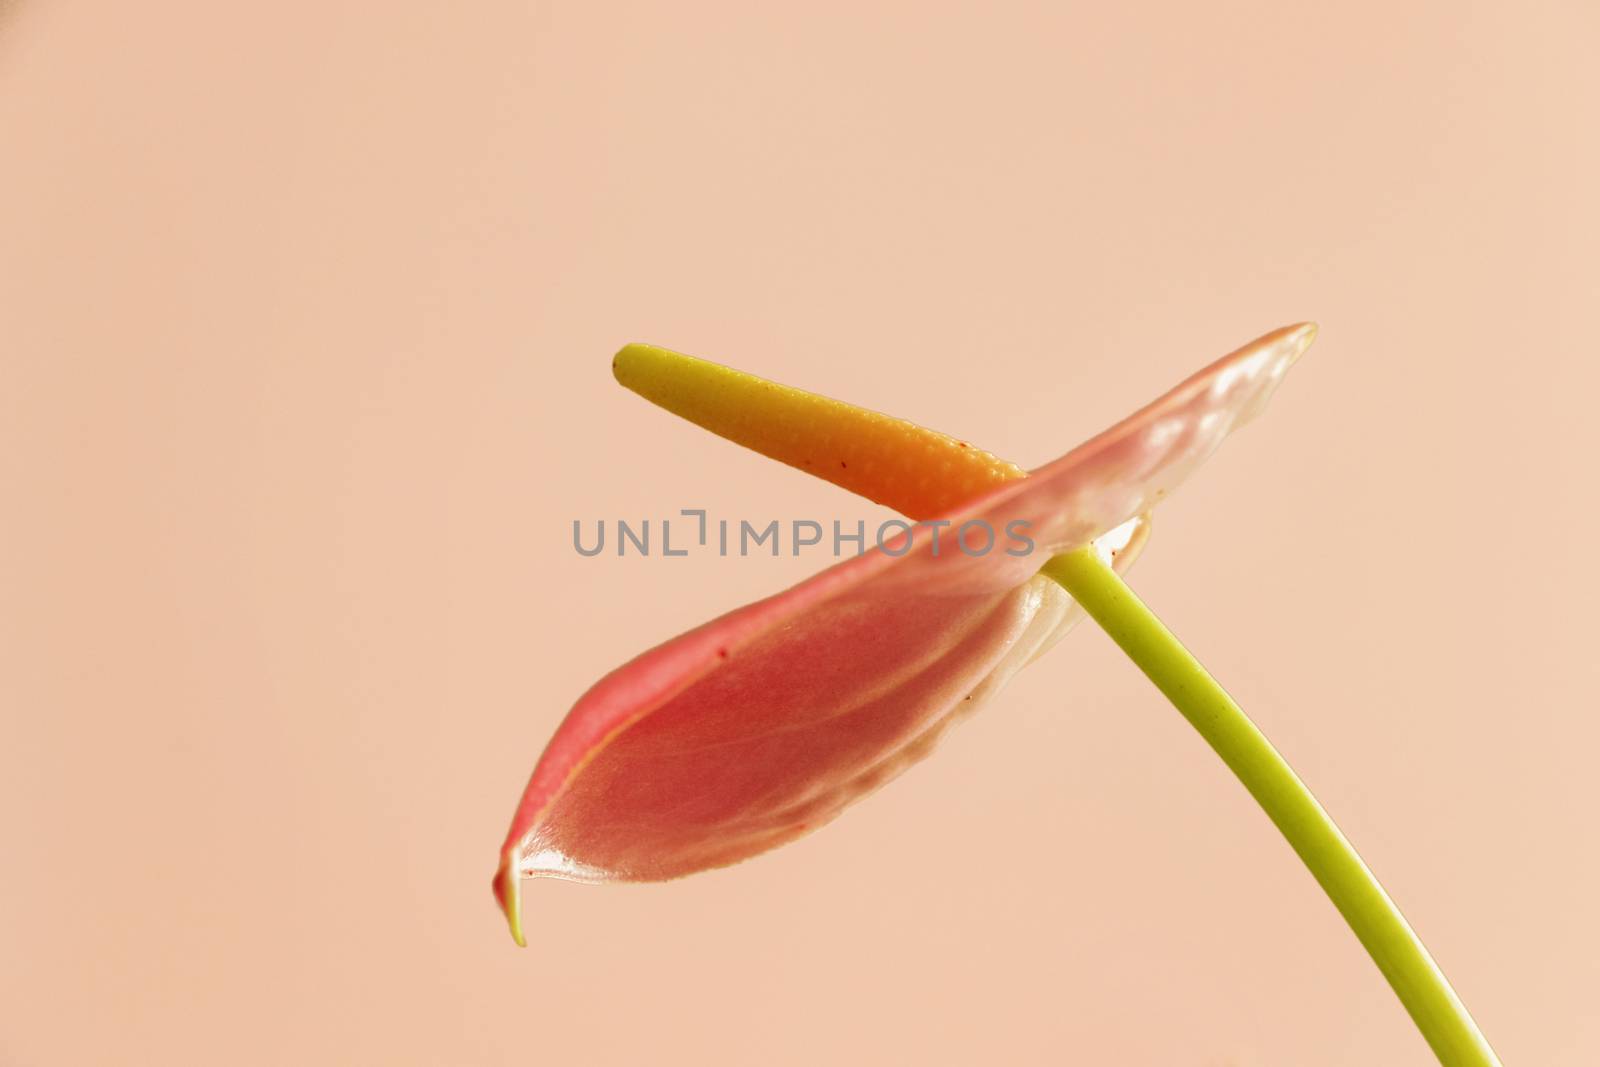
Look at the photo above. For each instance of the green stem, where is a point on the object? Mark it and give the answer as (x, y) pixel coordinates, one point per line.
(1377, 923)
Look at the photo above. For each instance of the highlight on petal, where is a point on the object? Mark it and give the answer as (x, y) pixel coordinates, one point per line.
(762, 725)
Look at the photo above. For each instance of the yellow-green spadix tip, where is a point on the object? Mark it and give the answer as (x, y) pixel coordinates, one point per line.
(918, 472)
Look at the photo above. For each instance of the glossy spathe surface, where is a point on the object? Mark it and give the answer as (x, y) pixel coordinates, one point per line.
(765, 723)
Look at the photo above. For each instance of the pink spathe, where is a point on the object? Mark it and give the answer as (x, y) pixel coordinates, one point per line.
(765, 723)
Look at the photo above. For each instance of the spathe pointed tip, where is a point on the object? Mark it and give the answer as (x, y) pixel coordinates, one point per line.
(1302, 335)
(508, 891)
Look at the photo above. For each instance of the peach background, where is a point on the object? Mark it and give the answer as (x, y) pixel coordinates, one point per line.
(307, 312)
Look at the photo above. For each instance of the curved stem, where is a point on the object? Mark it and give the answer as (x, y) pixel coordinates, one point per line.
(1377, 923)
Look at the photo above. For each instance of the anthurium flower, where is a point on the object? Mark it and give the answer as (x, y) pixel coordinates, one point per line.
(764, 724)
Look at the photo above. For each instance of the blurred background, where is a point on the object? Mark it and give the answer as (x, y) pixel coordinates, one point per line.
(306, 313)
